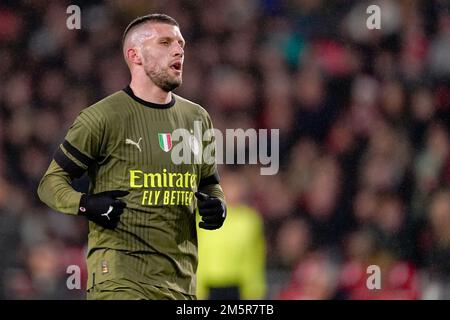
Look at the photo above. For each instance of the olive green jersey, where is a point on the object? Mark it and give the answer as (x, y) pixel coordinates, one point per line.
(125, 143)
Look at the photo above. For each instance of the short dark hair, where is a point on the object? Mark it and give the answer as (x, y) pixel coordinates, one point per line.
(154, 17)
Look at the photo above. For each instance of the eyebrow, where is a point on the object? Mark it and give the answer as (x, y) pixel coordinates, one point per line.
(172, 39)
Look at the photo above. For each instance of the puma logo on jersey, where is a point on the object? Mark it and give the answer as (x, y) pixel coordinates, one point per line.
(136, 144)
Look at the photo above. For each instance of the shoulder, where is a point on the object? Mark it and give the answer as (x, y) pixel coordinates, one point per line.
(104, 110)
(105, 106)
(191, 106)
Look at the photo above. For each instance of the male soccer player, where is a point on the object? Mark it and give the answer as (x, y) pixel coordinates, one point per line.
(142, 241)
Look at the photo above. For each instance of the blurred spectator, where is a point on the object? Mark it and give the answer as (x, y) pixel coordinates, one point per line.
(399, 279)
(232, 259)
(440, 47)
(322, 203)
(430, 166)
(438, 252)
(314, 278)
(391, 225)
(293, 242)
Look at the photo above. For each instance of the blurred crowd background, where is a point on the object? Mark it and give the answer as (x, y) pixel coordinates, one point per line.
(364, 118)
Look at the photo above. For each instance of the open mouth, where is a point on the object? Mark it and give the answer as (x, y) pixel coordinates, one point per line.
(176, 66)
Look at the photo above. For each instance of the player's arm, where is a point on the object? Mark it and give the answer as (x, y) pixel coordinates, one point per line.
(79, 151)
(55, 190)
(211, 186)
(210, 197)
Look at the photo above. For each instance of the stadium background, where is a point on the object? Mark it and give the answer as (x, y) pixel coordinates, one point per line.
(364, 133)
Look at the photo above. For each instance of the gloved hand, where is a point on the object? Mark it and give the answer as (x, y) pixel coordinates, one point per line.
(212, 210)
(103, 208)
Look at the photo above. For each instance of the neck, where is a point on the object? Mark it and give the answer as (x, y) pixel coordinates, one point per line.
(145, 89)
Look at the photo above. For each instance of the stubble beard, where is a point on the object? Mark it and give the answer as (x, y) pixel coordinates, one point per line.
(163, 80)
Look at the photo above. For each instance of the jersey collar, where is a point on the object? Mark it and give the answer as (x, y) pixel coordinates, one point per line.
(149, 104)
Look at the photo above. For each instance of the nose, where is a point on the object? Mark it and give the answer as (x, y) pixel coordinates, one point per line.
(178, 51)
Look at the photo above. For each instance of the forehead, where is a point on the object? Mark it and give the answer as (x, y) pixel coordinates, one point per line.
(159, 30)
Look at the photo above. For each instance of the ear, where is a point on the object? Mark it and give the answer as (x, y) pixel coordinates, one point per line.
(134, 55)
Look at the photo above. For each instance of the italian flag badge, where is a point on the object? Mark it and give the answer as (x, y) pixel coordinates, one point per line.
(165, 141)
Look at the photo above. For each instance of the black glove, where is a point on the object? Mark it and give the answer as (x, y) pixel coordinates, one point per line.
(103, 208)
(212, 210)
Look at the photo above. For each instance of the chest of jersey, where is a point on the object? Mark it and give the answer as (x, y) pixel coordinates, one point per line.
(157, 154)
